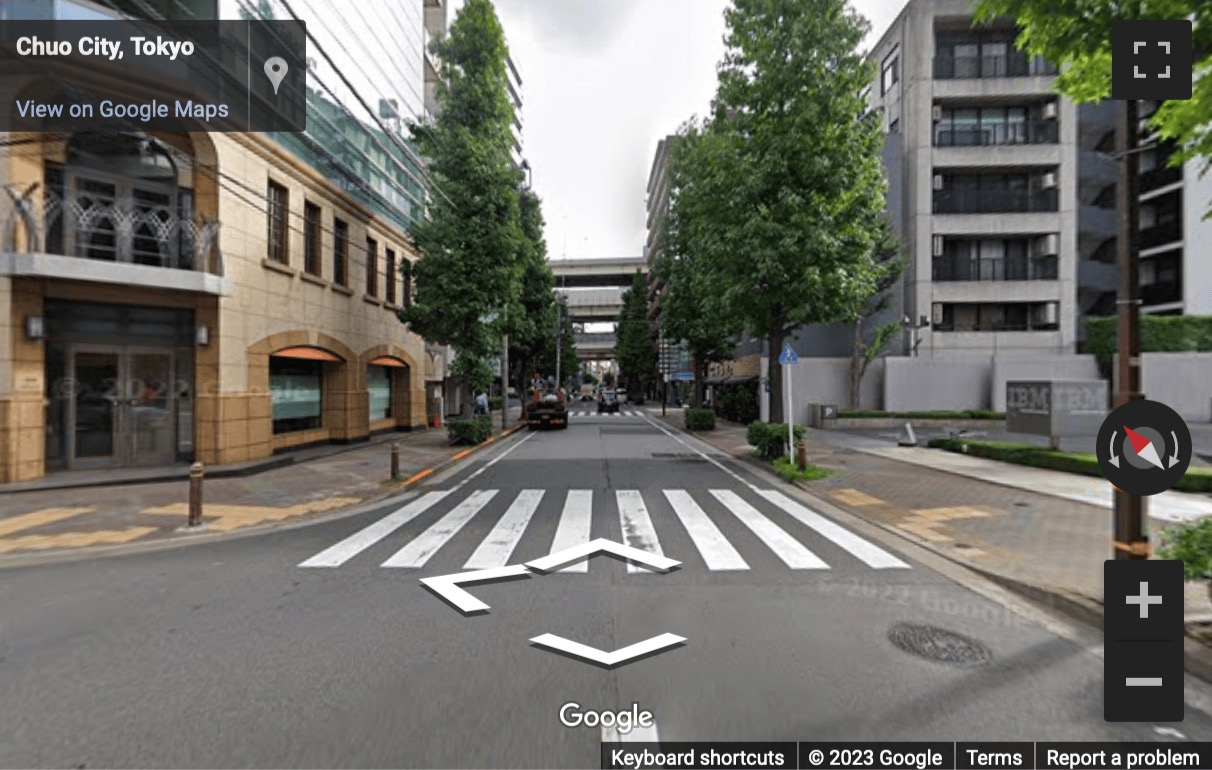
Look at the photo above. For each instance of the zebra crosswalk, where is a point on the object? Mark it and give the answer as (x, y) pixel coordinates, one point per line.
(785, 528)
(605, 415)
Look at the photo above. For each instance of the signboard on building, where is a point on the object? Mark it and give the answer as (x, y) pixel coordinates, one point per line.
(1057, 408)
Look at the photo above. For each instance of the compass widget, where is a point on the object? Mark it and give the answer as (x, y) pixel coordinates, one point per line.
(1144, 447)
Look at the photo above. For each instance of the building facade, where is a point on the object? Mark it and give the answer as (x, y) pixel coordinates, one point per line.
(166, 298)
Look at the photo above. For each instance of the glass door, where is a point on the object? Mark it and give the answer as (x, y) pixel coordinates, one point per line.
(95, 375)
(149, 382)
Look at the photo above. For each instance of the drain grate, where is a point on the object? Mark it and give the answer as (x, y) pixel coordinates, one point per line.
(939, 645)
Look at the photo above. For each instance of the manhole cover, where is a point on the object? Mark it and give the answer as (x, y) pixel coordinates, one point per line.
(939, 645)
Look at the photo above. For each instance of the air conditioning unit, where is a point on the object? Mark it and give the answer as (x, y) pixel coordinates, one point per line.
(1049, 181)
(1045, 314)
(938, 181)
(938, 245)
(938, 113)
(936, 314)
(1047, 245)
(1051, 111)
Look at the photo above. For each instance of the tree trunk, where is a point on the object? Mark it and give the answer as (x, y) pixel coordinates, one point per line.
(775, 374)
(700, 377)
(857, 355)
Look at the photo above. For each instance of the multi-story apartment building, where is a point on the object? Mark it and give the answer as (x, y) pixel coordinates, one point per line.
(674, 359)
(987, 162)
(166, 298)
(515, 99)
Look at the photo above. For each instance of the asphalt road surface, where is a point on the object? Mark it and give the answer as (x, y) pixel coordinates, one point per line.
(316, 646)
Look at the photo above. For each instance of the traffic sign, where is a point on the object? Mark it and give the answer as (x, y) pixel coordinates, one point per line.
(788, 355)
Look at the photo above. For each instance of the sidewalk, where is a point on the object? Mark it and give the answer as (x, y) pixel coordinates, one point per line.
(1045, 531)
(307, 483)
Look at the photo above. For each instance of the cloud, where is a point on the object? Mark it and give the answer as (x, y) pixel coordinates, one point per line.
(568, 26)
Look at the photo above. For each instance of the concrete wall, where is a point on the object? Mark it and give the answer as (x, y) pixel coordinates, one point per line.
(919, 384)
(1038, 368)
(1182, 381)
(827, 381)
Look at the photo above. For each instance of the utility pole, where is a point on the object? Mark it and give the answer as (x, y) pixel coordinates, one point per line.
(559, 338)
(504, 382)
(1131, 542)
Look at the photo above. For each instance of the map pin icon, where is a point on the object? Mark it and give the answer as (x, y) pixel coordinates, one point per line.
(275, 70)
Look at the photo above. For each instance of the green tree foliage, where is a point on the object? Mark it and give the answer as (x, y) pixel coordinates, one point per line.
(689, 310)
(547, 360)
(470, 240)
(787, 189)
(634, 348)
(532, 320)
(1076, 34)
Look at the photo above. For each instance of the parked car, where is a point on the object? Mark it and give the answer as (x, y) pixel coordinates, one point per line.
(608, 401)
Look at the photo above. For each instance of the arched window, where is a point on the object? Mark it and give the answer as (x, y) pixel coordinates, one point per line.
(122, 201)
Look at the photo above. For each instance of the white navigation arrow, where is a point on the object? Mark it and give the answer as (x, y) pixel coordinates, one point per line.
(577, 553)
(1114, 457)
(1174, 457)
(608, 659)
(447, 586)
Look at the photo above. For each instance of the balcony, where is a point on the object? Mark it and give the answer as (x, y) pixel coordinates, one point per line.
(994, 201)
(1016, 64)
(948, 269)
(1160, 177)
(1161, 293)
(1042, 132)
(119, 239)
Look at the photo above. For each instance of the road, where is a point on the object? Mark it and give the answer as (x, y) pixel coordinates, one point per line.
(232, 654)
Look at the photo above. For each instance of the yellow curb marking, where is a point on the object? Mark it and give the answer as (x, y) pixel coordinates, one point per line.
(39, 518)
(855, 497)
(74, 539)
(925, 522)
(231, 517)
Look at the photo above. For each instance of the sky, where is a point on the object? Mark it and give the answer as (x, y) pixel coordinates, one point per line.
(602, 82)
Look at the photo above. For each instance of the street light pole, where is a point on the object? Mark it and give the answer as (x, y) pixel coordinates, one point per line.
(504, 382)
(559, 338)
(1131, 543)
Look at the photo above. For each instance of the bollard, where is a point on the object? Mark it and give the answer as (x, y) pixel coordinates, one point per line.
(395, 460)
(195, 494)
(801, 455)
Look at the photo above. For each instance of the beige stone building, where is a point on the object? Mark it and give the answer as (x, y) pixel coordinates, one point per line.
(171, 298)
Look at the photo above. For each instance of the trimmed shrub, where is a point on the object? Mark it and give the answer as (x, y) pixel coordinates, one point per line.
(495, 402)
(770, 438)
(1192, 543)
(469, 430)
(737, 403)
(1194, 480)
(700, 419)
(789, 471)
(1158, 334)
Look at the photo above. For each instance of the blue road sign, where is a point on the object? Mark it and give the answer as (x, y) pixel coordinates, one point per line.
(788, 355)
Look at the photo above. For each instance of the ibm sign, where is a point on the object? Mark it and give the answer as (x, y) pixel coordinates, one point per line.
(1070, 408)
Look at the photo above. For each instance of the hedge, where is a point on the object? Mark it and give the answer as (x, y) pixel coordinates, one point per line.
(1158, 334)
(495, 402)
(770, 438)
(469, 430)
(1194, 480)
(966, 414)
(700, 419)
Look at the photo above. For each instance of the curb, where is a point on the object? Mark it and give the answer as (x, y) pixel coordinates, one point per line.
(1089, 612)
(201, 537)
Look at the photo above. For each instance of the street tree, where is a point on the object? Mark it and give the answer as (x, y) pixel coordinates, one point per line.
(634, 348)
(469, 240)
(564, 335)
(689, 311)
(1076, 36)
(787, 187)
(869, 343)
(532, 321)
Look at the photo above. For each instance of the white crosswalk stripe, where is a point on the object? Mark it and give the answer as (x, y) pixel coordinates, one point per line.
(363, 539)
(715, 548)
(638, 531)
(868, 552)
(639, 524)
(498, 546)
(575, 524)
(790, 550)
(419, 551)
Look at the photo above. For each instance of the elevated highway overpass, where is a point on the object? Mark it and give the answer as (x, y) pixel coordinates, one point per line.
(594, 291)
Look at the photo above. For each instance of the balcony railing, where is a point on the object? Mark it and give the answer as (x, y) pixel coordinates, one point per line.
(1044, 132)
(1016, 64)
(1157, 235)
(1161, 293)
(993, 201)
(130, 229)
(1007, 269)
(1160, 177)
